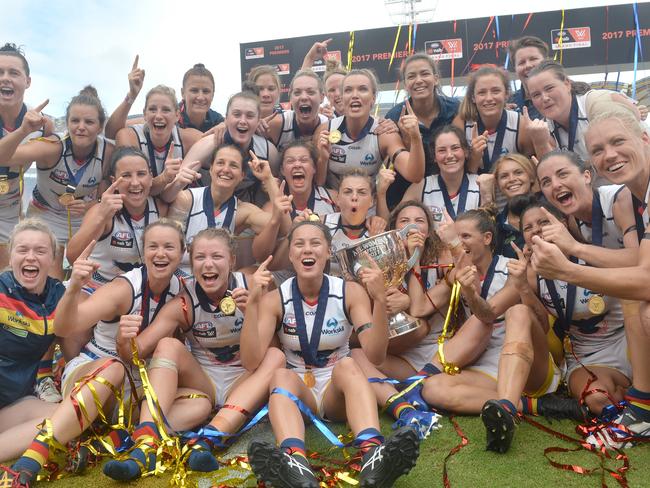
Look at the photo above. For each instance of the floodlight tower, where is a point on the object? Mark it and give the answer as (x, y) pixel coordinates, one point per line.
(411, 11)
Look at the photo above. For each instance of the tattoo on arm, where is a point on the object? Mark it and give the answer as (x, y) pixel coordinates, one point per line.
(363, 327)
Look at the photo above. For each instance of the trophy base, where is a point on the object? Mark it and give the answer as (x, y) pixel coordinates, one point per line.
(401, 323)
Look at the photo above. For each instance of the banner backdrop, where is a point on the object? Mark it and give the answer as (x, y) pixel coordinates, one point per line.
(590, 39)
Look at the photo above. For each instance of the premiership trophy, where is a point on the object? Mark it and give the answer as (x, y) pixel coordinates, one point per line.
(389, 252)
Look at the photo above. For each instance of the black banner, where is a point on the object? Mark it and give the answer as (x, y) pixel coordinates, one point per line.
(588, 39)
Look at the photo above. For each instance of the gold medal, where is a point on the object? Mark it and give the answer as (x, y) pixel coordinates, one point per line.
(334, 137)
(66, 199)
(4, 185)
(309, 379)
(227, 305)
(314, 218)
(596, 304)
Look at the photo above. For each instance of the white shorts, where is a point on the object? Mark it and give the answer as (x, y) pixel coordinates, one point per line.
(612, 354)
(223, 378)
(69, 379)
(488, 364)
(323, 377)
(420, 355)
(58, 223)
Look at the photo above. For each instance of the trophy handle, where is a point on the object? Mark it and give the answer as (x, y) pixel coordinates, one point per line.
(416, 255)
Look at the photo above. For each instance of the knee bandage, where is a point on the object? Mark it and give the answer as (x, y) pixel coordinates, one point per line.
(522, 349)
(163, 363)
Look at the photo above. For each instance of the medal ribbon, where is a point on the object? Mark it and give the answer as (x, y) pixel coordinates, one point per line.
(487, 282)
(309, 346)
(462, 196)
(127, 218)
(146, 297)
(639, 209)
(573, 126)
(75, 178)
(310, 201)
(498, 142)
(208, 209)
(364, 132)
(152, 155)
(565, 316)
(596, 220)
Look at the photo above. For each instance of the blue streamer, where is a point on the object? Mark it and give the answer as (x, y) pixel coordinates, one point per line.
(215, 436)
(320, 425)
(637, 47)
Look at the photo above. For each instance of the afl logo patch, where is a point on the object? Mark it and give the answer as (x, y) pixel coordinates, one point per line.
(122, 239)
(337, 155)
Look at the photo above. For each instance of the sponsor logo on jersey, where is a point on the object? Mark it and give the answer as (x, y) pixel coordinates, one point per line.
(289, 324)
(59, 176)
(368, 160)
(122, 239)
(92, 182)
(337, 154)
(204, 330)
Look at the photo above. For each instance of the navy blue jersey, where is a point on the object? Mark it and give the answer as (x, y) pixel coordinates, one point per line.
(212, 118)
(26, 334)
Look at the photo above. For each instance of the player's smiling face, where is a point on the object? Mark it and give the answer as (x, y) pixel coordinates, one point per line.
(13, 81)
(226, 170)
(563, 184)
(309, 250)
(31, 258)
(162, 251)
(242, 120)
(212, 262)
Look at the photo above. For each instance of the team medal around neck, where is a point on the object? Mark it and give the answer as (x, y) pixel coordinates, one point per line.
(596, 304)
(334, 137)
(227, 304)
(4, 185)
(309, 379)
(68, 197)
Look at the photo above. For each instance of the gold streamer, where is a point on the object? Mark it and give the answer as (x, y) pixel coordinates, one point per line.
(392, 55)
(560, 40)
(449, 368)
(350, 50)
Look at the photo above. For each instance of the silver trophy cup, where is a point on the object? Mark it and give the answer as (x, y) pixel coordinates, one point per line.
(389, 252)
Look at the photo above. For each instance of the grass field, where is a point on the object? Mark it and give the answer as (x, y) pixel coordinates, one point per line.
(523, 466)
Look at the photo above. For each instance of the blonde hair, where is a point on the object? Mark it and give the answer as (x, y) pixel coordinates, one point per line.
(363, 72)
(214, 233)
(33, 225)
(162, 90)
(168, 223)
(604, 108)
(526, 164)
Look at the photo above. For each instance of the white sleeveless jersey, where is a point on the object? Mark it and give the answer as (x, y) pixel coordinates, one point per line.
(588, 332)
(612, 235)
(102, 343)
(214, 337)
(291, 132)
(561, 135)
(157, 167)
(347, 153)
(433, 198)
(197, 219)
(335, 334)
(320, 202)
(10, 201)
(51, 183)
(509, 144)
(120, 249)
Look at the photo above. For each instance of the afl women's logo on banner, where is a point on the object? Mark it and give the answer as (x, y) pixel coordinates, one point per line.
(572, 38)
(254, 53)
(444, 49)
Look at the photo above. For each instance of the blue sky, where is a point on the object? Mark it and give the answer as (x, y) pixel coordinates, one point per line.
(73, 43)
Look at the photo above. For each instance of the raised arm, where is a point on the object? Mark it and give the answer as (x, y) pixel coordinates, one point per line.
(259, 328)
(14, 153)
(118, 118)
(410, 164)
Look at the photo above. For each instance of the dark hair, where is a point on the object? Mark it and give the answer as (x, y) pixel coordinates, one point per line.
(577, 87)
(309, 74)
(122, 152)
(421, 57)
(323, 228)
(572, 157)
(246, 95)
(198, 69)
(249, 86)
(432, 244)
(88, 96)
(235, 147)
(313, 153)
(528, 41)
(519, 203)
(541, 204)
(485, 219)
(214, 233)
(10, 49)
(468, 110)
(450, 129)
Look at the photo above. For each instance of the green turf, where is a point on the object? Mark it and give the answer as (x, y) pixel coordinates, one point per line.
(523, 466)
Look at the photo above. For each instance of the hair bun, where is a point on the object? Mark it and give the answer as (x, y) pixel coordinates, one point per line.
(249, 86)
(90, 91)
(199, 65)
